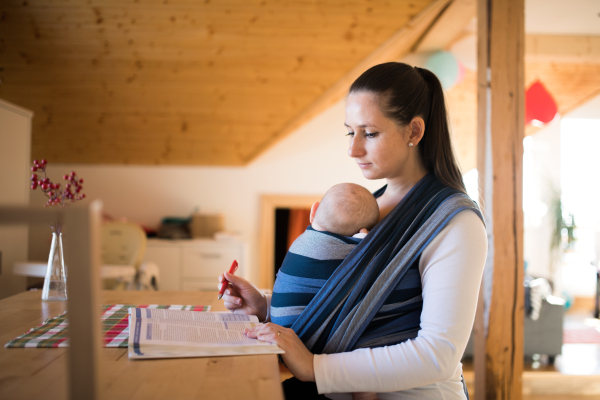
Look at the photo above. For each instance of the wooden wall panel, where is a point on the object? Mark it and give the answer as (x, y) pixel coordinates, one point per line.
(179, 81)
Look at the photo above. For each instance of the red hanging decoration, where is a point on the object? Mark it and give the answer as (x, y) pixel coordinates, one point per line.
(539, 104)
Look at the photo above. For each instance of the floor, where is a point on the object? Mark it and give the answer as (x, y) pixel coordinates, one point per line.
(576, 359)
(575, 374)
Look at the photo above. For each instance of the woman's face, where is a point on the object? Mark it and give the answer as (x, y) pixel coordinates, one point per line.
(378, 145)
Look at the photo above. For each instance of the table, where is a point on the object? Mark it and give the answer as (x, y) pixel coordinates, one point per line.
(32, 373)
(38, 269)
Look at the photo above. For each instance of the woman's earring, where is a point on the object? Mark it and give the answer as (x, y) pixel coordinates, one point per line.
(410, 144)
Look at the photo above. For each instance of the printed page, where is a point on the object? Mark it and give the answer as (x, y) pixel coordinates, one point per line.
(161, 333)
(181, 315)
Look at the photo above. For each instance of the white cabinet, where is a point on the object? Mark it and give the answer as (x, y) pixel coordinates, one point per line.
(166, 257)
(194, 264)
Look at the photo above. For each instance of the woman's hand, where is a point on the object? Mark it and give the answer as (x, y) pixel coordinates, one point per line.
(297, 358)
(242, 297)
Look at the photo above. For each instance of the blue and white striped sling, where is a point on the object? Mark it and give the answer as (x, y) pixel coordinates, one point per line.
(373, 297)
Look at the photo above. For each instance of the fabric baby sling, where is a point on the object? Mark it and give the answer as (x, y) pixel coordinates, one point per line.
(373, 298)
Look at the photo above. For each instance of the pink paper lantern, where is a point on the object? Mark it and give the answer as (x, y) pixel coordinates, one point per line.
(539, 104)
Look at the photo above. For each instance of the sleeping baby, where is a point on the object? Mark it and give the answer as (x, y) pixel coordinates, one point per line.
(337, 226)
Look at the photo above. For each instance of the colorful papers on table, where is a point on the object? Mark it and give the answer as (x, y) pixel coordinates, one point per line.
(115, 327)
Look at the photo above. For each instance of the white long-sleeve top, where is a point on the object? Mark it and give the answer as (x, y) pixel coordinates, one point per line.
(427, 367)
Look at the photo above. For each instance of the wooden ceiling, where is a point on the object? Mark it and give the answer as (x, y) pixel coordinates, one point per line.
(180, 81)
(185, 82)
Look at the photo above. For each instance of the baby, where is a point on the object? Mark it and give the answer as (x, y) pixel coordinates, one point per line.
(335, 230)
(345, 209)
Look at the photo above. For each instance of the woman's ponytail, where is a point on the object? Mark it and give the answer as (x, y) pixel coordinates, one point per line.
(436, 150)
(409, 92)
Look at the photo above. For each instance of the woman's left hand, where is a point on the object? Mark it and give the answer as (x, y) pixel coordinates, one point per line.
(297, 358)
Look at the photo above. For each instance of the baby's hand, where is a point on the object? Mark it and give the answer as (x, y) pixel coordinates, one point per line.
(361, 234)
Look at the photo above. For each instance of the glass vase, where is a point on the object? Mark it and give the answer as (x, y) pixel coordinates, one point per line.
(55, 283)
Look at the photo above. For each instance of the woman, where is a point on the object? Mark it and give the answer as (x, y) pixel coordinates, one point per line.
(395, 316)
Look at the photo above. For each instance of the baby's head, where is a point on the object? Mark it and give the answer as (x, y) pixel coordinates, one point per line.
(345, 209)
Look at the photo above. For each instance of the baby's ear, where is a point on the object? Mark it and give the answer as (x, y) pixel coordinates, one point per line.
(313, 211)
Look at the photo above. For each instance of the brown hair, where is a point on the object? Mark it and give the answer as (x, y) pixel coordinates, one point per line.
(406, 93)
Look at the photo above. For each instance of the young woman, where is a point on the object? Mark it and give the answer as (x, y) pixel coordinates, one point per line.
(395, 316)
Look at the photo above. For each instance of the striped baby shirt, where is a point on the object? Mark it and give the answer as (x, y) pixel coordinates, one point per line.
(311, 260)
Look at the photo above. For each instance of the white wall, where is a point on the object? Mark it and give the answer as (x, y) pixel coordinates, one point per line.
(589, 110)
(580, 135)
(543, 174)
(308, 161)
(541, 167)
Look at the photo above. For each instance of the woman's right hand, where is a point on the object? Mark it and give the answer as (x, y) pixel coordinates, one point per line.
(242, 297)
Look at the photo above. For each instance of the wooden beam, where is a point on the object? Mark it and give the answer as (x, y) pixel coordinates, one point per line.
(501, 106)
(562, 48)
(448, 26)
(394, 48)
(19, 215)
(82, 255)
(82, 244)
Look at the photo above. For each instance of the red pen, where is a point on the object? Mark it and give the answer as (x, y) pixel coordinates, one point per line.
(226, 282)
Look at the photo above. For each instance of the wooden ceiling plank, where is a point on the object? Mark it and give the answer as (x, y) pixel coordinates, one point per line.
(394, 48)
(562, 48)
(450, 24)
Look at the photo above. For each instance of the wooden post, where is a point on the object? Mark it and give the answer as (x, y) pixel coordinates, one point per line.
(501, 106)
(82, 243)
(82, 259)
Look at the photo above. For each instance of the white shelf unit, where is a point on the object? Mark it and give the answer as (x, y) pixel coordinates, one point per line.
(194, 264)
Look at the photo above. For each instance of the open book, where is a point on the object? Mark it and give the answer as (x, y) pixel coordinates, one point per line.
(164, 333)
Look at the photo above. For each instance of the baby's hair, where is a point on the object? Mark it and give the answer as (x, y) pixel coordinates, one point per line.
(346, 208)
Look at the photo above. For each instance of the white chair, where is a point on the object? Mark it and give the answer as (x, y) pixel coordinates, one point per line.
(147, 277)
(124, 243)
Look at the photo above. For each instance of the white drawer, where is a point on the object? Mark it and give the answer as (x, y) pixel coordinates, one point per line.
(194, 285)
(209, 261)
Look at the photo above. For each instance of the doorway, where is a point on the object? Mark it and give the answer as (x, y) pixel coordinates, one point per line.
(289, 224)
(269, 206)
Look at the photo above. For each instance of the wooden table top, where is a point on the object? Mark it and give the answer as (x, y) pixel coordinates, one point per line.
(32, 373)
